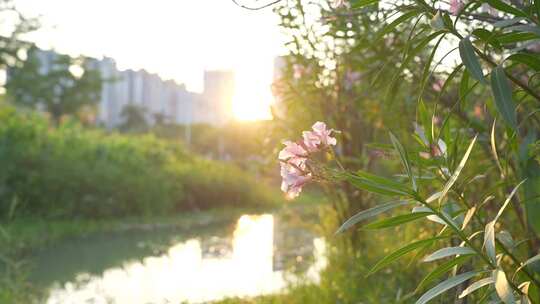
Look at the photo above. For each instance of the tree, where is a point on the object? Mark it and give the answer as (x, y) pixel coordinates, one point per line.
(61, 85)
(14, 25)
(134, 119)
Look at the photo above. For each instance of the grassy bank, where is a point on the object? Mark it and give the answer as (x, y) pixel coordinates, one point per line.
(72, 172)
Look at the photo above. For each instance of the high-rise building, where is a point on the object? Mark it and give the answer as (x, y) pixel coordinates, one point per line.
(156, 97)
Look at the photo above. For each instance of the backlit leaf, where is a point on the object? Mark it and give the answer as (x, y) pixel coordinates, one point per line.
(445, 286)
(504, 291)
(442, 269)
(404, 159)
(395, 221)
(369, 213)
(401, 252)
(476, 285)
(456, 173)
(448, 251)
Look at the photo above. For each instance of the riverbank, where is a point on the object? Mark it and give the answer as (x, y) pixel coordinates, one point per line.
(22, 238)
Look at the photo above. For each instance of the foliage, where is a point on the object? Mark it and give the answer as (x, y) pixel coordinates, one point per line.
(134, 119)
(72, 172)
(437, 75)
(61, 87)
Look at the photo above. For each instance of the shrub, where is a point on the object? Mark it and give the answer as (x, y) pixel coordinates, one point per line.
(70, 171)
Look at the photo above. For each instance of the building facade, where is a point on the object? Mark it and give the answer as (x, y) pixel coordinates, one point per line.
(157, 97)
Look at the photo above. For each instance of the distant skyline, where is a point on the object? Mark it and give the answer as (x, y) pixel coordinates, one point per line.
(175, 39)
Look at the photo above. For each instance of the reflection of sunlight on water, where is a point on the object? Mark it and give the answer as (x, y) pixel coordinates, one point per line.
(184, 275)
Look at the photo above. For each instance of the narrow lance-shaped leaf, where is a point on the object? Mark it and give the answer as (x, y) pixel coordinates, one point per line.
(448, 251)
(401, 252)
(508, 22)
(508, 199)
(476, 285)
(362, 3)
(456, 173)
(469, 59)
(526, 28)
(391, 26)
(531, 61)
(494, 148)
(376, 184)
(535, 258)
(404, 159)
(504, 291)
(369, 213)
(442, 269)
(468, 217)
(489, 241)
(501, 6)
(396, 220)
(502, 93)
(524, 287)
(445, 286)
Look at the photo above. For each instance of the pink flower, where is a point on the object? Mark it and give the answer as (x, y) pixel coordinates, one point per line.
(319, 128)
(291, 150)
(293, 179)
(311, 141)
(456, 6)
(294, 172)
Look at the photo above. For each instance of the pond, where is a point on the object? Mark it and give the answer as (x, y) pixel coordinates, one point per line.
(257, 254)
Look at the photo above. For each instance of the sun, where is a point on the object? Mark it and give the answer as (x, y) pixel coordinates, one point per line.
(253, 95)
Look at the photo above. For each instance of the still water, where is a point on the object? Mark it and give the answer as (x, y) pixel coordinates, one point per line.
(170, 266)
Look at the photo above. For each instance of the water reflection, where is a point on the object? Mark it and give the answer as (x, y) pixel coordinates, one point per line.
(190, 272)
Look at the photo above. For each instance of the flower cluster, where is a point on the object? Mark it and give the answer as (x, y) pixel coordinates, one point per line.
(294, 171)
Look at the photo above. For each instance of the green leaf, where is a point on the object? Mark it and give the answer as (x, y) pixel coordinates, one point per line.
(401, 252)
(369, 213)
(514, 37)
(404, 159)
(508, 22)
(356, 4)
(442, 269)
(532, 61)
(377, 184)
(456, 173)
(526, 29)
(507, 201)
(469, 59)
(504, 291)
(487, 37)
(396, 220)
(445, 286)
(537, 5)
(448, 251)
(476, 285)
(500, 5)
(464, 86)
(391, 26)
(534, 259)
(502, 92)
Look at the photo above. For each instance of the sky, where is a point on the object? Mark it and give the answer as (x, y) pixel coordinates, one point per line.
(178, 39)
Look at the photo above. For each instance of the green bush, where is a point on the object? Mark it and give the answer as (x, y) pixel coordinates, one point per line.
(70, 171)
